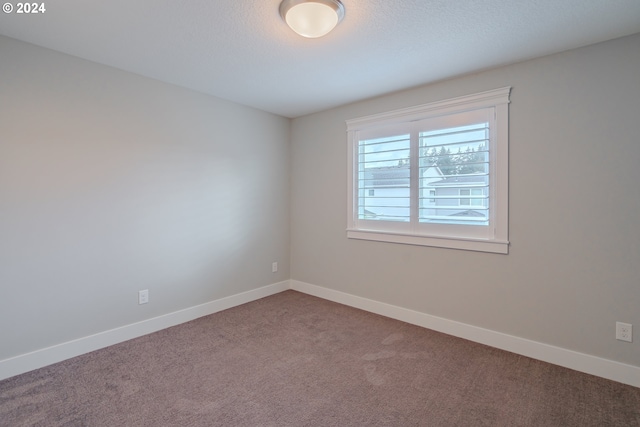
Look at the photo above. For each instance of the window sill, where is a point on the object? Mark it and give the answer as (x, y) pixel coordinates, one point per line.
(491, 246)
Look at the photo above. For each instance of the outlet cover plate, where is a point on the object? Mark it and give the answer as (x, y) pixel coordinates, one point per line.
(143, 296)
(624, 332)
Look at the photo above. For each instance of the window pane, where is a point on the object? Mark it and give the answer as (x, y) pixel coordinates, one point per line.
(454, 171)
(464, 192)
(383, 179)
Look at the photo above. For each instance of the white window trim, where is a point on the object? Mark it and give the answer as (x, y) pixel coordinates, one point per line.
(497, 242)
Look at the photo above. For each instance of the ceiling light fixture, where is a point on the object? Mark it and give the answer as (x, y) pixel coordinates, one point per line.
(312, 18)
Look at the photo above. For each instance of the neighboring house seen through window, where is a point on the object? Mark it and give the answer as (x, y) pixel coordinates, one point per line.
(433, 175)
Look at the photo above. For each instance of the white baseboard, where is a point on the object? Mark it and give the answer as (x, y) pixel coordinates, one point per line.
(57, 353)
(616, 371)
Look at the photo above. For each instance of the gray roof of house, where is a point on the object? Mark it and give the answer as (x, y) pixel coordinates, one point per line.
(390, 175)
(462, 179)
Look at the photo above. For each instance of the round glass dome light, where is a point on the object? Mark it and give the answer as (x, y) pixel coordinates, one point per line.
(312, 18)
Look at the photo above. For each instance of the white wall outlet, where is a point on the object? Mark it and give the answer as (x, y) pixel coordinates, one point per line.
(624, 331)
(143, 296)
(274, 267)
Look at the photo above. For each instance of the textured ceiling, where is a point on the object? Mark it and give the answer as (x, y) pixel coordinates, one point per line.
(242, 51)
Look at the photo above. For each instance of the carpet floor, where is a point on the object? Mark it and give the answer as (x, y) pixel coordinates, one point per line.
(295, 360)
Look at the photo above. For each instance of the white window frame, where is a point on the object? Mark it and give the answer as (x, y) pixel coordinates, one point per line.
(492, 238)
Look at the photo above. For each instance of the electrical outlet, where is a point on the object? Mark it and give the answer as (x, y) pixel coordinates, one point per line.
(624, 331)
(274, 267)
(143, 296)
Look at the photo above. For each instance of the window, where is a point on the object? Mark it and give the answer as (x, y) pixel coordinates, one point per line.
(472, 197)
(432, 175)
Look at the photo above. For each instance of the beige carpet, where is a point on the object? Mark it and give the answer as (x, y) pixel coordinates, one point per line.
(295, 360)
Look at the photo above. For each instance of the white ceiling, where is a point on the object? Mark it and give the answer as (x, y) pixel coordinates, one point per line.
(242, 51)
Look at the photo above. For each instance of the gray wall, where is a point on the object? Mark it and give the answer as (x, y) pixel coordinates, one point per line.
(111, 183)
(574, 264)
